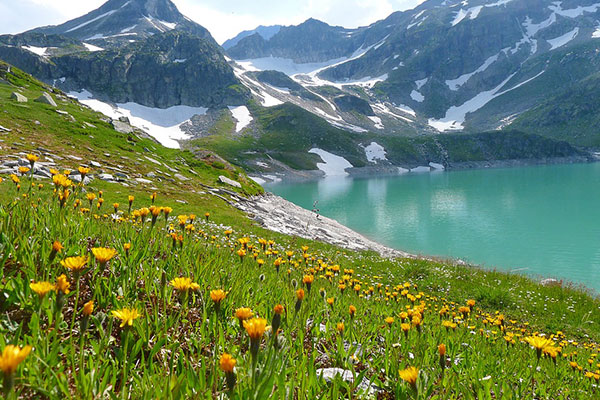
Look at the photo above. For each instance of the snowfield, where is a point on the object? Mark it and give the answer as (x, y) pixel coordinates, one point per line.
(333, 165)
(161, 123)
(375, 152)
(242, 115)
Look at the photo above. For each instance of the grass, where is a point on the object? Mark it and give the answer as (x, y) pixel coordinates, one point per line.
(173, 349)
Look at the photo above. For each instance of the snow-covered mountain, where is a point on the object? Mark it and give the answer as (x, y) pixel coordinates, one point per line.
(447, 65)
(119, 22)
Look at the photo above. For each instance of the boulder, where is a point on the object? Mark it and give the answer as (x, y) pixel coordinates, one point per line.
(106, 177)
(183, 178)
(18, 97)
(230, 182)
(45, 98)
(122, 127)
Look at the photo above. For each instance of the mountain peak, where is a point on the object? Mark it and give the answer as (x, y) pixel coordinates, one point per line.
(119, 22)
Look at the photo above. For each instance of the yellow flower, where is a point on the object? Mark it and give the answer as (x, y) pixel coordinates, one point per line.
(24, 170)
(32, 158)
(442, 349)
(410, 375)
(74, 264)
(217, 295)
(300, 294)
(127, 247)
(88, 308)
(352, 311)
(340, 327)
(389, 321)
(471, 303)
(103, 255)
(57, 246)
(11, 357)
(255, 327)
(41, 288)
(330, 301)
(184, 284)
(278, 309)
(243, 313)
(538, 342)
(126, 315)
(62, 284)
(83, 171)
(227, 363)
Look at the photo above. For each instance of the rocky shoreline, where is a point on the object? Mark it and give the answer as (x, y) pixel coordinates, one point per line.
(279, 215)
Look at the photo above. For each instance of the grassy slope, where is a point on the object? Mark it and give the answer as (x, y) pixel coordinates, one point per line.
(168, 342)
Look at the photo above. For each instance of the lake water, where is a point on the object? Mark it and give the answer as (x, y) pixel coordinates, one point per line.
(540, 220)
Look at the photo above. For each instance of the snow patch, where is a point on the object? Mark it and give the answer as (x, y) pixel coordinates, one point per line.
(473, 12)
(455, 84)
(128, 29)
(91, 47)
(596, 33)
(377, 122)
(257, 179)
(578, 11)
(161, 123)
(242, 115)
(333, 165)
(420, 83)
(417, 96)
(564, 39)
(375, 152)
(40, 51)
(455, 115)
(180, 60)
(92, 20)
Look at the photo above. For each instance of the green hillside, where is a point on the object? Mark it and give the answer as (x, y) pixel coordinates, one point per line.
(125, 326)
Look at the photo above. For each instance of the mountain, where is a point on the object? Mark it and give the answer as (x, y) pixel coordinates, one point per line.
(452, 65)
(140, 51)
(121, 21)
(266, 32)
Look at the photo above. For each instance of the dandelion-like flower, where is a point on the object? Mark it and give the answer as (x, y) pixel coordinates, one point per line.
(184, 284)
(410, 376)
(539, 343)
(227, 364)
(75, 264)
(103, 254)
(243, 314)
(11, 357)
(126, 315)
(42, 288)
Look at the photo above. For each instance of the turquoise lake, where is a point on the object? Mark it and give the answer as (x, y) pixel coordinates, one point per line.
(543, 221)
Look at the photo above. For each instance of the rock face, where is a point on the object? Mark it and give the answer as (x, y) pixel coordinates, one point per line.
(141, 51)
(146, 73)
(46, 99)
(18, 97)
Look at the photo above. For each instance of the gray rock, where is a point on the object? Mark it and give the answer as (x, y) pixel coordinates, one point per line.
(62, 112)
(10, 163)
(6, 171)
(106, 177)
(45, 98)
(151, 175)
(182, 178)
(3, 129)
(227, 181)
(142, 180)
(18, 97)
(95, 164)
(122, 127)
